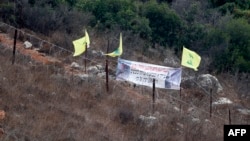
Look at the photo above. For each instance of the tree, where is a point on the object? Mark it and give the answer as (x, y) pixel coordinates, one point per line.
(239, 44)
(165, 24)
(234, 54)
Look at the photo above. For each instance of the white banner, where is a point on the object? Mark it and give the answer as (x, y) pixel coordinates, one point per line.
(143, 74)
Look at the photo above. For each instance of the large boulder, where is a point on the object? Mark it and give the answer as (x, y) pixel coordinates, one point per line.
(208, 82)
(205, 81)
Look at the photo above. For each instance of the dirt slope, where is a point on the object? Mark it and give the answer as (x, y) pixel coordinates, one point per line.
(45, 101)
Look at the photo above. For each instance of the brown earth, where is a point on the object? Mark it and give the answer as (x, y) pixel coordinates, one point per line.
(42, 103)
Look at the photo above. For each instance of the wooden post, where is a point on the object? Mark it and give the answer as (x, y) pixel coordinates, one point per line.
(15, 36)
(107, 70)
(210, 103)
(153, 95)
(14, 47)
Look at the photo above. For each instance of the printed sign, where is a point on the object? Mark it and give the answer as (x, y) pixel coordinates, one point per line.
(143, 74)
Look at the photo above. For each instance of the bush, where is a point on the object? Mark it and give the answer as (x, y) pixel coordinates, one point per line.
(165, 24)
(233, 46)
(7, 12)
(110, 12)
(243, 4)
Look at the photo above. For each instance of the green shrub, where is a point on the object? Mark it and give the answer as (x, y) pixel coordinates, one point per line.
(234, 55)
(165, 24)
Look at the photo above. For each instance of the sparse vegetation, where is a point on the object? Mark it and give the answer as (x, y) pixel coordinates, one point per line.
(44, 102)
(156, 22)
(48, 102)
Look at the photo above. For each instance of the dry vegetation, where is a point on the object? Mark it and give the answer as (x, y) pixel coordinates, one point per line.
(44, 102)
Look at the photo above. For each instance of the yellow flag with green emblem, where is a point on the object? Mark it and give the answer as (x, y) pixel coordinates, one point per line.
(190, 59)
(118, 51)
(80, 44)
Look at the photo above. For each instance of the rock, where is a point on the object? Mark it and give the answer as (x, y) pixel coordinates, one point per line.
(100, 67)
(176, 109)
(102, 74)
(244, 111)
(27, 44)
(93, 70)
(196, 120)
(83, 76)
(2, 114)
(222, 100)
(208, 82)
(75, 65)
(149, 121)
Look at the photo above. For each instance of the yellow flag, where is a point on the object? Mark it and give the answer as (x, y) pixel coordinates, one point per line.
(87, 38)
(190, 59)
(80, 44)
(118, 51)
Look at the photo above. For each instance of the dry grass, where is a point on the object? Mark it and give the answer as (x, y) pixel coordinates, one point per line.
(43, 102)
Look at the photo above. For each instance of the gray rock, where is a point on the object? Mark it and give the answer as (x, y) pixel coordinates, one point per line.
(148, 121)
(27, 44)
(75, 65)
(222, 100)
(244, 111)
(83, 76)
(102, 74)
(93, 70)
(100, 67)
(208, 82)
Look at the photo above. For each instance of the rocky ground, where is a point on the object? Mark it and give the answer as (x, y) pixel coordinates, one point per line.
(51, 97)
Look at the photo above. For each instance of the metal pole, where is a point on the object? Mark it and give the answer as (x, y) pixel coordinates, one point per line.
(153, 95)
(107, 70)
(15, 36)
(14, 47)
(85, 60)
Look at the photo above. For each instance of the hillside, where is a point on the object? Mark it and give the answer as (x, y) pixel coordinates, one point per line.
(45, 98)
(217, 30)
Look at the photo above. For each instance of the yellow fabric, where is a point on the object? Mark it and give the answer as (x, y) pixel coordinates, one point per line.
(80, 44)
(118, 51)
(190, 59)
(87, 38)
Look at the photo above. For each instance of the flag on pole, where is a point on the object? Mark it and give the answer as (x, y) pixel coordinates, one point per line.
(190, 59)
(80, 44)
(87, 38)
(118, 51)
